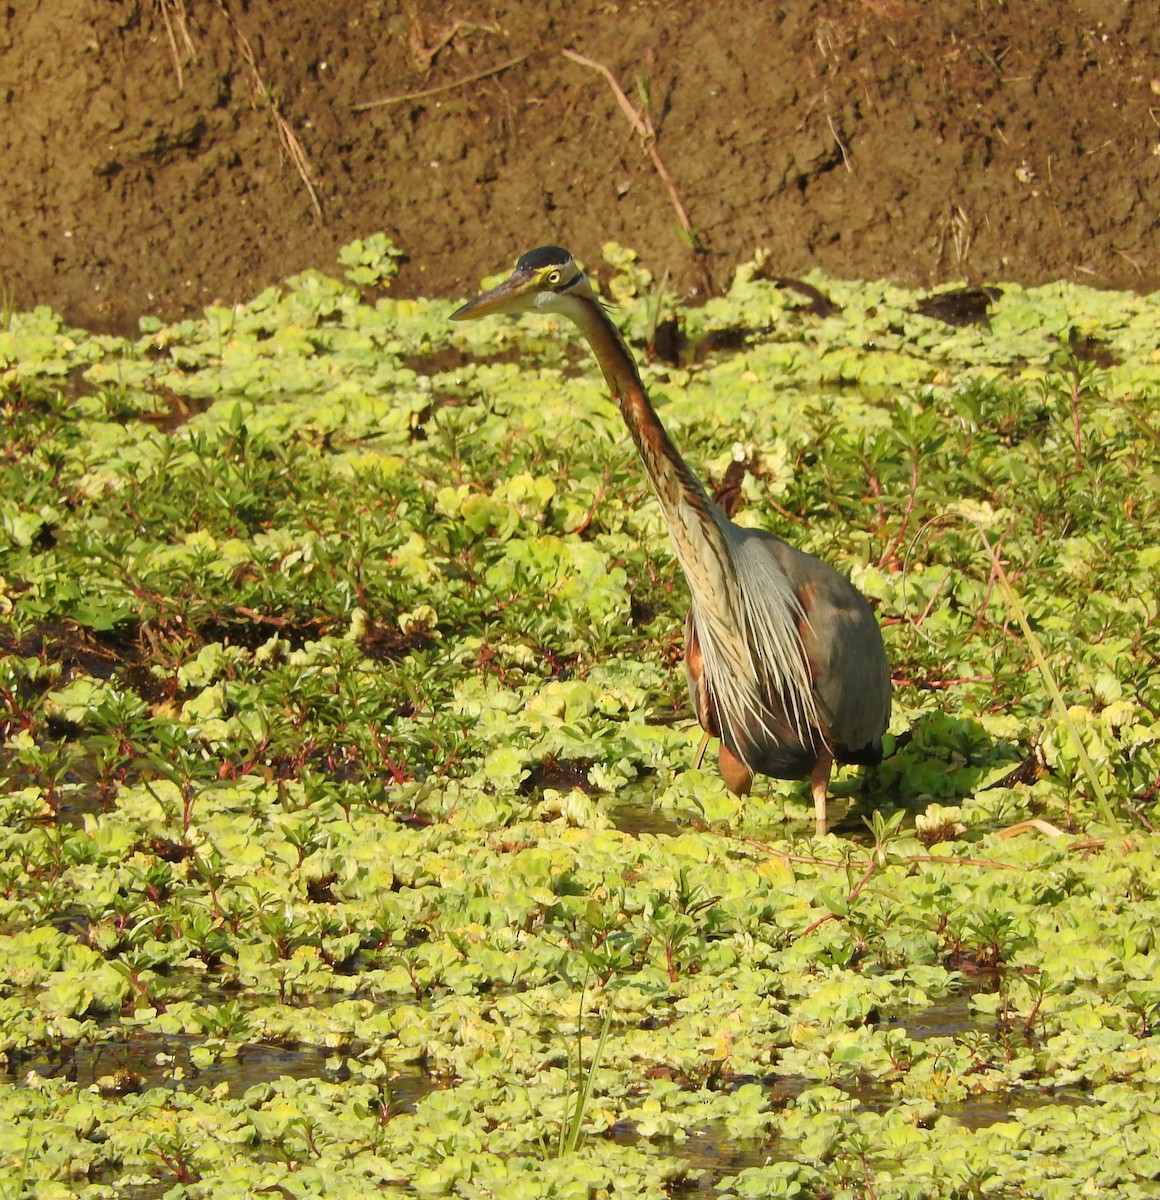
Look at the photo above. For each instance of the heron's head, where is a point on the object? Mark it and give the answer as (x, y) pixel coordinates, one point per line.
(546, 279)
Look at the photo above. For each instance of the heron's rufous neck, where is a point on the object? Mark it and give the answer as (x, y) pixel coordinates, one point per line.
(692, 518)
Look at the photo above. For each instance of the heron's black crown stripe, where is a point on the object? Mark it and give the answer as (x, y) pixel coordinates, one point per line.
(545, 256)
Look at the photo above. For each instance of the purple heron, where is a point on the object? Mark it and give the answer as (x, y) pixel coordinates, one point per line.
(784, 657)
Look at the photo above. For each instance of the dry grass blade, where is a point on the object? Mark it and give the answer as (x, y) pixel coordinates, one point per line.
(843, 149)
(1137, 420)
(175, 17)
(642, 125)
(1035, 823)
(1015, 608)
(424, 54)
(1015, 611)
(286, 135)
(423, 93)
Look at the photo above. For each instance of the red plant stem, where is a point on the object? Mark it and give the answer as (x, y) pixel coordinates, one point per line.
(890, 550)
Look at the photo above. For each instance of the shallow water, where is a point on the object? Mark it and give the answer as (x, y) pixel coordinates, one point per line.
(641, 818)
(146, 1061)
(709, 1151)
(155, 1061)
(948, 1016)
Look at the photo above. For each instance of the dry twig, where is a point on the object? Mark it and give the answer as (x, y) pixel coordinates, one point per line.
(424, 55)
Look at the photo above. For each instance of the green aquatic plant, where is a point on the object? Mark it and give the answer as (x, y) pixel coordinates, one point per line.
(346, 746)
(371, 260)
(584, 1080)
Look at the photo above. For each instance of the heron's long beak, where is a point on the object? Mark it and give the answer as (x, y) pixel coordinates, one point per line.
(513, 295)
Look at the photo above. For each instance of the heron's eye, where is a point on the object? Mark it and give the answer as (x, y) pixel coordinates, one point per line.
(553, 278)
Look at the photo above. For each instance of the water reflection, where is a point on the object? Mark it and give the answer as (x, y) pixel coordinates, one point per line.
(155, 1061)
(639, 818)
(709, 1151)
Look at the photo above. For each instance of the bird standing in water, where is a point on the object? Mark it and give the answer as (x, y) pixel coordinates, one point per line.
(784, 657)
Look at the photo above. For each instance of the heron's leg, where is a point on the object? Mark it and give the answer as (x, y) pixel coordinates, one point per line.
(737, 776)
(701, 750)
(819, 782)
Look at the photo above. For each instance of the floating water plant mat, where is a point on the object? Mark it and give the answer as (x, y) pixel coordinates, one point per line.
(351, 844)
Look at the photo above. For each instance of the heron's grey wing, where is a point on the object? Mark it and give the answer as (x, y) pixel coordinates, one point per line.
(843, 642)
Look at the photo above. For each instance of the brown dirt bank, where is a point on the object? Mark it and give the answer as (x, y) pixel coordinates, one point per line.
(145, 171)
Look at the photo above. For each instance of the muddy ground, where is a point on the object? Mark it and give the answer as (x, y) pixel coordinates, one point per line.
(149, 161)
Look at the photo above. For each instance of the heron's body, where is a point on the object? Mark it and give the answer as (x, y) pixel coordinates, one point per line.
(784, 657)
